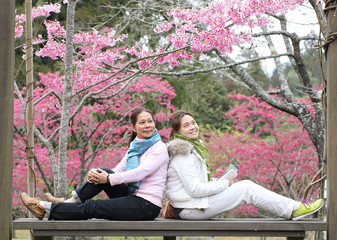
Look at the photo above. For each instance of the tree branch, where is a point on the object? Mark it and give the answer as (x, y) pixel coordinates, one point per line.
(242, 73)
(228, 65)
(155, 56)
(285, 90)
(46, 95)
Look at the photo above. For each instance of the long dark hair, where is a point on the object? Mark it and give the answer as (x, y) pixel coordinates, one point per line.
(133, 120)
(175, 121)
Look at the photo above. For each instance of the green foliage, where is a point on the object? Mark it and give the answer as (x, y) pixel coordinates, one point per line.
(204, 96)
(256, 72)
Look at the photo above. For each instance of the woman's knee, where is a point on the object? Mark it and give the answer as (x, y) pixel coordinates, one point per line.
(108, 170)
(243, 187)
(248, 182)
(244, 183)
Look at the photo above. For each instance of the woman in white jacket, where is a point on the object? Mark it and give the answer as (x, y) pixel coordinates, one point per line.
(192, 195)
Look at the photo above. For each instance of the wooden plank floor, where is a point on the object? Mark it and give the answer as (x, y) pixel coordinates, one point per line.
(169, 227)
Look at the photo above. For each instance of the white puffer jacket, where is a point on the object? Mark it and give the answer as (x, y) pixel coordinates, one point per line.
(187, 185)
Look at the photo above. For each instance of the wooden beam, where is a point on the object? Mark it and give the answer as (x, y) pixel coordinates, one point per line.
(172, 228)
(332, 126)
(6, 115)
(159, 224)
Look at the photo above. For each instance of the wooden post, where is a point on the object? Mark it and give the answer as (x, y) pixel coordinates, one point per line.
(332, 126)
(30, 101)
(6, 115)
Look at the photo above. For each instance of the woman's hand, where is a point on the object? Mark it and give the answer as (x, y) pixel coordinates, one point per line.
(230, 181)
(97, 176)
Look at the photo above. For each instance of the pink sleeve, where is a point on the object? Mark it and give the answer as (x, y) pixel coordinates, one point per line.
(150, 161)
(121, 166)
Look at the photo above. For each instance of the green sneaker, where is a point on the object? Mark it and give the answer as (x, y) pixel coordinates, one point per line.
(306, 208)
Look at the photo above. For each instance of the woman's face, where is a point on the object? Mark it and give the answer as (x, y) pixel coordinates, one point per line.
(189, 127)
(144, 126)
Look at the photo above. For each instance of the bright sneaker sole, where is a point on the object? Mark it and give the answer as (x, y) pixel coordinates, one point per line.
(304, 215)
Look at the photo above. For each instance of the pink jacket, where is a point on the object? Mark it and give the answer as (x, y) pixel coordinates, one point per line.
(151, 173)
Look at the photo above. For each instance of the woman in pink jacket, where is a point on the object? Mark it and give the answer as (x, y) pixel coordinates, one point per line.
(135, 186)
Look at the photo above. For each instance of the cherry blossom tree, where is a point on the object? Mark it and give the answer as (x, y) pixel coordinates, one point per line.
(103, 89)
(212, 33)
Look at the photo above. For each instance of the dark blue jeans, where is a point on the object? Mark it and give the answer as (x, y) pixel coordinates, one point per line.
(120, 206)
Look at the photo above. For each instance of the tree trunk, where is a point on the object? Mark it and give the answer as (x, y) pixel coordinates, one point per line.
(67, 96)
(6, 116)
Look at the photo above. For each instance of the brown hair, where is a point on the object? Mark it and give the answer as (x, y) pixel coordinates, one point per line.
(133, 120)
(175, 121)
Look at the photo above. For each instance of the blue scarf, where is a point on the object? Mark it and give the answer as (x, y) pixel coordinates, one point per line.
(135, 150)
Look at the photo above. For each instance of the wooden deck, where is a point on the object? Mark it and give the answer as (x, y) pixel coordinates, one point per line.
(169, 228)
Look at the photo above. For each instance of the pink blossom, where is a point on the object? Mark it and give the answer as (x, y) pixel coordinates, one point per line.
(52, 49)
(54, 29)
(44, 10)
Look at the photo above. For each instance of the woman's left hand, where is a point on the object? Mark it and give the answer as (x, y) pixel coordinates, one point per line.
(97, 176)
(230, 181)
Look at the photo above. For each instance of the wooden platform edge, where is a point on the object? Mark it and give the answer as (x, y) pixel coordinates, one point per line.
(165, 227)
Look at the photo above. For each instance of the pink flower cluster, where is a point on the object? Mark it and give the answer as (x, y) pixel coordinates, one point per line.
(54, 29)
(44, 10)
(53, 49)
(217, 25)
(164, 27)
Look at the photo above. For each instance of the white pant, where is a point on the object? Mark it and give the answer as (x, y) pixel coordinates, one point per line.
(243, 192)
